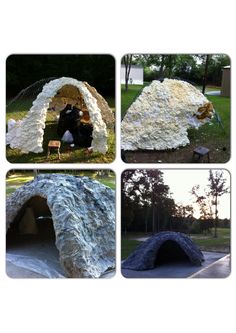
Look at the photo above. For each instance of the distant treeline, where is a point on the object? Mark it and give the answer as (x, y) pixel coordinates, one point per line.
(24, 70)
(141, 221)
(188, 67)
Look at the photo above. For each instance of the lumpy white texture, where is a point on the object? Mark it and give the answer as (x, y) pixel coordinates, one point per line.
(160, 117)
(27, 134)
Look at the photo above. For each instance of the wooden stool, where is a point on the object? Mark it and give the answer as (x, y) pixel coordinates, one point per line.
(54, 144)
(201, 152)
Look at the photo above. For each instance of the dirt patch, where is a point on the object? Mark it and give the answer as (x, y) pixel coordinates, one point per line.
(219, 153)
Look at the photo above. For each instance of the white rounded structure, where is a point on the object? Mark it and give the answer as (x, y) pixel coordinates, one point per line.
(27, 134)
(160, 117)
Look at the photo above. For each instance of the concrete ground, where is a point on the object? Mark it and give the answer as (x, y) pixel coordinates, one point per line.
(36, 260)
(211, 267)
(213, 93)
(33, 260)
(219, 269)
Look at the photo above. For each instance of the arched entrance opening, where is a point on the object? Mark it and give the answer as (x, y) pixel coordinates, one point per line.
(30, 240)
(32, 223)
(170, 252)
(73, 117)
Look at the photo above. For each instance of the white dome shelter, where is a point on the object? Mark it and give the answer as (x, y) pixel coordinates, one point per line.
(160, 117)
(27, 134)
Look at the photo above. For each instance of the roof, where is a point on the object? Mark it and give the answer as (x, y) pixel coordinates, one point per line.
(133, 66)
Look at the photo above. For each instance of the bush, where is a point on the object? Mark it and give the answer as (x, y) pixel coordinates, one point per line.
(195, 228)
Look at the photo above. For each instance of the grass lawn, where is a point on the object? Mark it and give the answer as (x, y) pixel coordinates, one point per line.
(68, 154)
(17, 179)
(128, 97)
(127, 247)
(208, 243)
(205, 242)
(212, 136)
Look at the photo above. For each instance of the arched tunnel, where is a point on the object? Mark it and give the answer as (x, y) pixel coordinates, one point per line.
(30, 239)
(170, 252)
(32, 223)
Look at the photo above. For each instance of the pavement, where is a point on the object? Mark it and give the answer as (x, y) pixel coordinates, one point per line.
(37, 260)
(33, 260)
(216, 265)
(219, 269)
(213, 93)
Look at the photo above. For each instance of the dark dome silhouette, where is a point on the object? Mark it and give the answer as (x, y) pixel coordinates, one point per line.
(163, 247)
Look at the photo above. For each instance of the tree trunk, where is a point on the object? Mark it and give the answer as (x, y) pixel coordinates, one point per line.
(128, 63)
(216, 219)
(162, 66)
(146, 220)
(204, 80)
(153, 219)
(170, 65)
(158, 221)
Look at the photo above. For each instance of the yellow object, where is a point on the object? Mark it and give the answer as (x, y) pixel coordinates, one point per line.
(205, 111)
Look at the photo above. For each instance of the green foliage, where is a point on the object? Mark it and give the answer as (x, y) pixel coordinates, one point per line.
(195, 228)
(141, 189)
(189, 67)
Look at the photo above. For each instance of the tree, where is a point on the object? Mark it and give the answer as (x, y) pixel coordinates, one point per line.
(128, 198)
(127, 60)
(203, 202)
(217, 187)
(146, 188)
(204, 79)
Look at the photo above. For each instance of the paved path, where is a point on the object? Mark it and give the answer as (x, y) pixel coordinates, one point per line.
(213, 93)
(219, 269)
(178, 269)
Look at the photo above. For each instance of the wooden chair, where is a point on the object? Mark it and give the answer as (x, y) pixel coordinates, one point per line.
(54, 144)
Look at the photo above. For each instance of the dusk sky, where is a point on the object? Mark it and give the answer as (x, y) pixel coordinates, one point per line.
(182, 181)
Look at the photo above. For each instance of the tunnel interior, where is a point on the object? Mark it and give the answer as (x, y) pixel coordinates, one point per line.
(30, 242)
(170, 252)
(33, 223)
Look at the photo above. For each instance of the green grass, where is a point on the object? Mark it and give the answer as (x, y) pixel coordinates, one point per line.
(205, 242)
(108, 182)
(215, 132)
(208, 243)
(68, 154)
(17, 179)
(128, 97)
(127, 247)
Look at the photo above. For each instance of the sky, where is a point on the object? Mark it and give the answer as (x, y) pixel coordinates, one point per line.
(182, 181)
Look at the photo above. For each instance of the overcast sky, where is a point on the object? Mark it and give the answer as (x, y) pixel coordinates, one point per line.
(182, 181)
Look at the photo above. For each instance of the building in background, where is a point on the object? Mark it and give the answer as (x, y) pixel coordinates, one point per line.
(136, 74)
(225, 83)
